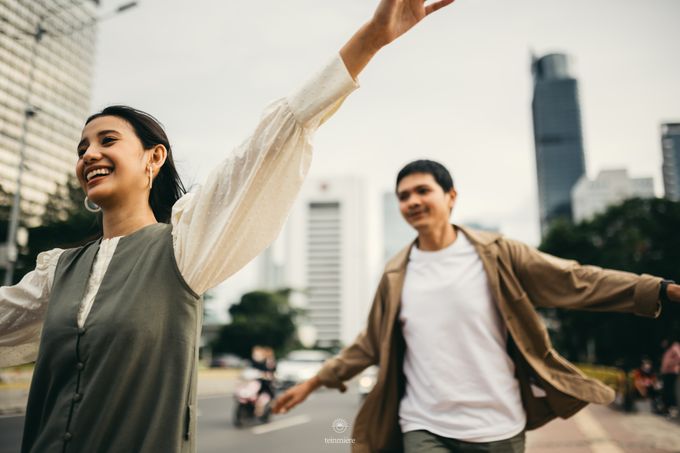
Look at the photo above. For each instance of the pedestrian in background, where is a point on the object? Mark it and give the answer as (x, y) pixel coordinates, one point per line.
(670, 368)
(465, 363)
(120, 317)
(647, 385)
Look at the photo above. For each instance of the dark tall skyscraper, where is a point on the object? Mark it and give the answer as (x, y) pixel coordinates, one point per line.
(557, 136)
(670, 145)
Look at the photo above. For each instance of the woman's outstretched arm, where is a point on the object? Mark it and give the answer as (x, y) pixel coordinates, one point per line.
(243, 204)
(22, 311)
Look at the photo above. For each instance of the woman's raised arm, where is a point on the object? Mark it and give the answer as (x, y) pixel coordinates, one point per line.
(243, 204)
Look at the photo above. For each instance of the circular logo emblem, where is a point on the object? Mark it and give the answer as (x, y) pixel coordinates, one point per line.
(340, 425)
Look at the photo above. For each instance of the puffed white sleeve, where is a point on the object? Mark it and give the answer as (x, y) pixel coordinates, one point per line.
(22, 311)
(243, 204)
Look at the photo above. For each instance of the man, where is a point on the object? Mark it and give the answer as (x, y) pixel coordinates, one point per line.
(465, 363)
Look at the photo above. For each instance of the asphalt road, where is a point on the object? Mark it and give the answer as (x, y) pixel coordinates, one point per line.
(307, 429)
(310, 429)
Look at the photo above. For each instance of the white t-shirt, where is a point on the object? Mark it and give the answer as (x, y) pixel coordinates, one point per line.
(460, 381)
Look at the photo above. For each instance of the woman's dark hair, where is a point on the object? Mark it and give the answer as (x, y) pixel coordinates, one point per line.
(167, 186)
(439, 172)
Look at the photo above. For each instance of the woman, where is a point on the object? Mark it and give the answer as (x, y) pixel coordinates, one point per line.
(120, 317)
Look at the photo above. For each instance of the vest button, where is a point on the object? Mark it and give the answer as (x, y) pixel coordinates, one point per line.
(77, 397)
(81, 330)
(67, 437)
(80, 365)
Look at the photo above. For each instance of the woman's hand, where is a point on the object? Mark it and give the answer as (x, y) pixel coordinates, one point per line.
(392, 18)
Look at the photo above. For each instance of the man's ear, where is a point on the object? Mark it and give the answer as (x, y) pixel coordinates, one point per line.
(453, 194)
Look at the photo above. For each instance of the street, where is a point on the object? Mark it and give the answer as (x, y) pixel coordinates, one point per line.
(317, 426)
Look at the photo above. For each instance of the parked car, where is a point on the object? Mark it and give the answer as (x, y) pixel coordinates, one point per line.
(299, 365)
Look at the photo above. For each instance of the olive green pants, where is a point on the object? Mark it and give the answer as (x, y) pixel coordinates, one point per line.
(425, 442)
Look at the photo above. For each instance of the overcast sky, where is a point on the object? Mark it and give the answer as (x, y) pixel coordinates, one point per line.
(456, 89)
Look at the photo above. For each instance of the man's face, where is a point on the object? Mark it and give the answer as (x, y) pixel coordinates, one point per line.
(423, 202)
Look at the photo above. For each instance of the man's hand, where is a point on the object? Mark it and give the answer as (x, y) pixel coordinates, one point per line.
(297, 394)
(673, 292)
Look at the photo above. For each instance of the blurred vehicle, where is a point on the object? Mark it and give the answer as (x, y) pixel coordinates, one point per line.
(299, 365)
(227, 361)
(367, 380)
(252, 396)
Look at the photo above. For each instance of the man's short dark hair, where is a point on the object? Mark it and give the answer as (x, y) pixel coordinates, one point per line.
(437, 170)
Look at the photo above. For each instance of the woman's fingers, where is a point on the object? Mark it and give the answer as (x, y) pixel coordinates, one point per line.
(432, 7)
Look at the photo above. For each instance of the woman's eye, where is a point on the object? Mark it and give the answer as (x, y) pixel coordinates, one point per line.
(107, 140)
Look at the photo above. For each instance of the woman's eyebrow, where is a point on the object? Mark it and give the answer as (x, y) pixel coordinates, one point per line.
(99, 134)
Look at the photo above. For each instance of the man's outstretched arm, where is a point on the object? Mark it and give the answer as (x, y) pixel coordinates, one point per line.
(555, 282)
(364, 352)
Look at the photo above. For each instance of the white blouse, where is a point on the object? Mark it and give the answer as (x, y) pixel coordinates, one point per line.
(217, 228)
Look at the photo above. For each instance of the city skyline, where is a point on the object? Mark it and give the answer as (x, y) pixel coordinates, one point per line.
(208, 74)
(471, 109)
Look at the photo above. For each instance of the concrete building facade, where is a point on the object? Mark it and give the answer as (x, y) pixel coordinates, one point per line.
(611, 187)
(47, 51)
(329, 253)
(670, 147)
(558, 137)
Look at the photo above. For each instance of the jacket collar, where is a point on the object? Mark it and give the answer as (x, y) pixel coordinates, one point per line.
(480, 239)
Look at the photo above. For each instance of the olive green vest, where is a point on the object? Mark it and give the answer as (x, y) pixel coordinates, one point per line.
(126, 381)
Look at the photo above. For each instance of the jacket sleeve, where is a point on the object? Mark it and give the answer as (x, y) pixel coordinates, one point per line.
(364, 352)
(558, 283)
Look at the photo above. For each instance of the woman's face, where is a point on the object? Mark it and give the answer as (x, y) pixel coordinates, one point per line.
(112, 165)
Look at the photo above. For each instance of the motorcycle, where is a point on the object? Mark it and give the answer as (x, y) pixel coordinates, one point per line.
(252, 401)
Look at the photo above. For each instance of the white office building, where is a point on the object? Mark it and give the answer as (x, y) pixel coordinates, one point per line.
(52, 78)
(397, 233)
(330, 251)
(611, 187)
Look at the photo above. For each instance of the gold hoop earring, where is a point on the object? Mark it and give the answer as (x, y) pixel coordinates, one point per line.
(150, 177)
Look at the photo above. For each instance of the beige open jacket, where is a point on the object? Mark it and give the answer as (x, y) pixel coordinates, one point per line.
(521, 279)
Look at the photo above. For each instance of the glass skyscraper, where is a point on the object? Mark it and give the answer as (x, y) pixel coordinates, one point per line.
(670, 146)
(557, 136)
(46, 68)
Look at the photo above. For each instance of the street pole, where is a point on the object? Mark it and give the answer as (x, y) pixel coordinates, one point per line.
(29, 112)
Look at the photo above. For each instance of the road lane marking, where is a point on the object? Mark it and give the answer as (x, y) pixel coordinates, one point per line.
(282, 424)
(597, 436)
(213, 396)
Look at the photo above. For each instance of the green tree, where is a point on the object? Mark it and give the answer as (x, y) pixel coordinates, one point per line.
(260, 318)
(639, 236)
